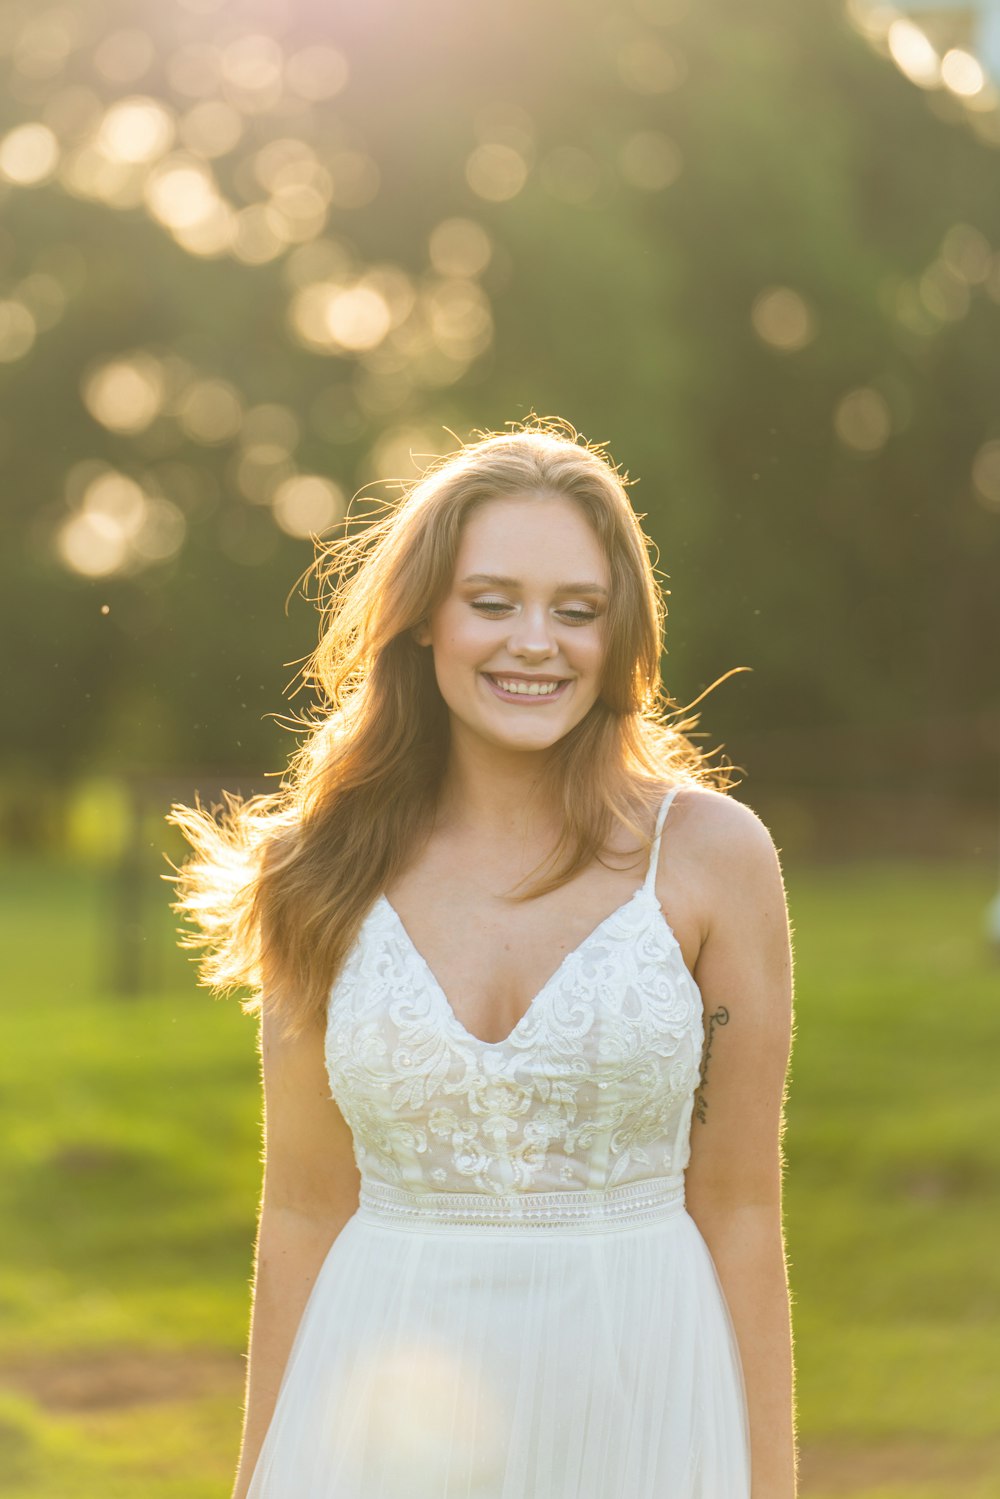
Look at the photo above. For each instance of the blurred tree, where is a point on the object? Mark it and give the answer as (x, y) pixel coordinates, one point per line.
(253, 255)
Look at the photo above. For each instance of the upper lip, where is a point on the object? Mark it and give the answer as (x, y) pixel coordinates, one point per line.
(520, 676)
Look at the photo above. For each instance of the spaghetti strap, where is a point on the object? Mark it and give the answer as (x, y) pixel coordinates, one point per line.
(654, 853)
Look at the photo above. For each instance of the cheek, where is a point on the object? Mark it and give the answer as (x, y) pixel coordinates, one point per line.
(472, 631)
(459, 639)
(592, 649)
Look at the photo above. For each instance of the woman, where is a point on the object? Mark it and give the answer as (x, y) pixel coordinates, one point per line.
(524, 1036)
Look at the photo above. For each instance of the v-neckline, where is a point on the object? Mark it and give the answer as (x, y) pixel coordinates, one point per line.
(450, 1013)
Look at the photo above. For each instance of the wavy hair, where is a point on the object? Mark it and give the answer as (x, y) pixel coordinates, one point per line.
(278, 884)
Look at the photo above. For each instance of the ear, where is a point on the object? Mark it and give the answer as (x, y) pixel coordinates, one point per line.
(421, 633)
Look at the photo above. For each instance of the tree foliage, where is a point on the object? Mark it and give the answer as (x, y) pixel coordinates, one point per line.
(732, 240)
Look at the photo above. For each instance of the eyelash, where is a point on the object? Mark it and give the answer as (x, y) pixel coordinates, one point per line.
(578, 616)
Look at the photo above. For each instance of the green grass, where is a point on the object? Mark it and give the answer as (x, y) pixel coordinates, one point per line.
(132, 1147)
(893, 1209)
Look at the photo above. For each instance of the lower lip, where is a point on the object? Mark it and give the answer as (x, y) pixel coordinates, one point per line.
(525, 699)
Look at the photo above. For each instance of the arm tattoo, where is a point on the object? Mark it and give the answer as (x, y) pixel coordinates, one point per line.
(721, 1017)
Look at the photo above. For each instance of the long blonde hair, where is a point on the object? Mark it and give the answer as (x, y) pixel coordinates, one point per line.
(279, 884)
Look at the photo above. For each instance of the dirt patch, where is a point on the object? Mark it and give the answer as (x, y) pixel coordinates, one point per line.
(101, 1378)
(839, 1468)
(82, 1157)
(111, 1378)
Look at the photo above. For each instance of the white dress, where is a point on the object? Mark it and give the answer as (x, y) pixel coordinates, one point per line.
(521, 1307)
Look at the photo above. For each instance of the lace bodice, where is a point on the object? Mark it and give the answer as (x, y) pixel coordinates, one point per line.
(593, 1090)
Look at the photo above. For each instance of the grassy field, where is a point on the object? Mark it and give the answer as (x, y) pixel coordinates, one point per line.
(131, 1152)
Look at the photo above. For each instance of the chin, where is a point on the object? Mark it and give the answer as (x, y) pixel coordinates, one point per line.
(540, 740)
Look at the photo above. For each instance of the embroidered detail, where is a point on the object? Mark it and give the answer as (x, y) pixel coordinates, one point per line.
(594, 1089)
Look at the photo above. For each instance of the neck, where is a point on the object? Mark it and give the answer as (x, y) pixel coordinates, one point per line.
(495, 795)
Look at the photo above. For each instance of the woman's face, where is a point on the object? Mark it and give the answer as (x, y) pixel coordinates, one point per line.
(519, 641)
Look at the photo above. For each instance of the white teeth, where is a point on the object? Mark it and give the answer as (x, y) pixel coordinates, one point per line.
(528, 689)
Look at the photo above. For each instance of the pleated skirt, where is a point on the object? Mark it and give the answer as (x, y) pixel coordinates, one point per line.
(511, 1363)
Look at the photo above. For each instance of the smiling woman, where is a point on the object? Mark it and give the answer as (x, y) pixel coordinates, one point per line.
(493, 1262)
(491, 627)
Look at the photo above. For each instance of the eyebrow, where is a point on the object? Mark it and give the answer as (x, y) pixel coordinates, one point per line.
(502, 582)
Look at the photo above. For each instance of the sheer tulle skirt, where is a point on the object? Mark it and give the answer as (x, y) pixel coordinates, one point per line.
(511, 1363)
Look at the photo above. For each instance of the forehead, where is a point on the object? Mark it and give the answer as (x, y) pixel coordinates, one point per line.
(531, 537)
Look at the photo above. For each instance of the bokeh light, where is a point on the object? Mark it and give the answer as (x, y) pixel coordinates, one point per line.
(962, 73)
(460, 247)
(862, 420)
(116, 525)
(29, 155)
(162, 532)
(783, 319)
(944, 291)
(496, 171)
(332, 317)
(136, 130)
(991, 286)
(17, 330)
(182, 193)
(358, 317)
(460, 318)
(966, 251)
(986, 475)
(125, 395)
(118, 499)
(259, 234)
(92, 545)
(913, 54)
(307, 504)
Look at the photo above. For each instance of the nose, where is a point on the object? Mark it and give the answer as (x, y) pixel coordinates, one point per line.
(531, 635)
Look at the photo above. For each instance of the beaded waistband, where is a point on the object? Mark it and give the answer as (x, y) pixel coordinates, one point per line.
(580, 1211)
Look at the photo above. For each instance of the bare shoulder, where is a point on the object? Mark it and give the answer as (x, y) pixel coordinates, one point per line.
(727, 856)
(721, 825)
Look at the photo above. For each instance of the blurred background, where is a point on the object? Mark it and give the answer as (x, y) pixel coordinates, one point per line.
(259, 259)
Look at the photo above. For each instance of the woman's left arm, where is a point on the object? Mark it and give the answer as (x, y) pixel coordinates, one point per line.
(734, 1177)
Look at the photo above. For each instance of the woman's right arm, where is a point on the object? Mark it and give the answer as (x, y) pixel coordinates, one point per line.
(310, 1191)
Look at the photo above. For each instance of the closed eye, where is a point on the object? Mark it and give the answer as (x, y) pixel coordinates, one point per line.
(578, 616)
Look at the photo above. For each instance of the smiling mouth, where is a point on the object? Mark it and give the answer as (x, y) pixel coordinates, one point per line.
(533, 690)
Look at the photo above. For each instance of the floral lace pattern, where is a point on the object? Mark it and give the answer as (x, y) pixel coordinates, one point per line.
(593, 1089)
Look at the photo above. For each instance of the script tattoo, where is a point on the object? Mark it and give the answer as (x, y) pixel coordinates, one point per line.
(721, 1017)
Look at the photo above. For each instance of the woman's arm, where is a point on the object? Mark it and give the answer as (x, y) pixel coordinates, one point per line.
(744, 971)
(310, 1190)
